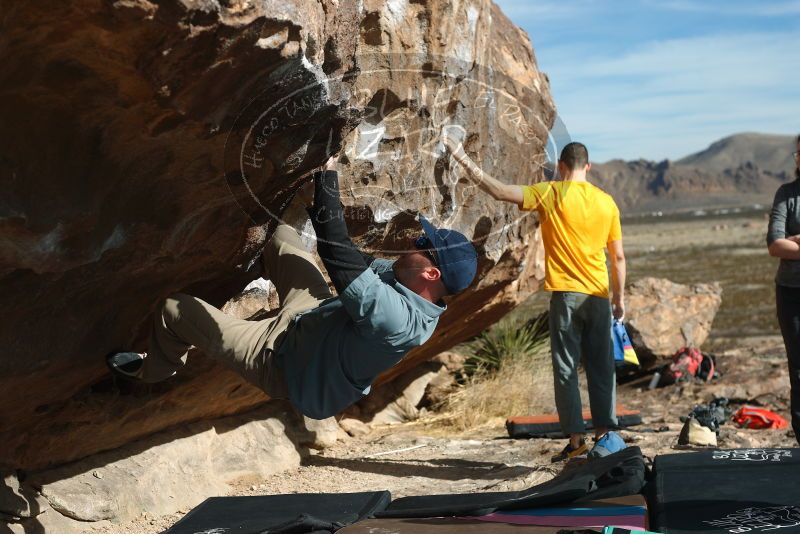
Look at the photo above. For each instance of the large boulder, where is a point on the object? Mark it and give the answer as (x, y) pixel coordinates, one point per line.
(663, 316)
(150, 147)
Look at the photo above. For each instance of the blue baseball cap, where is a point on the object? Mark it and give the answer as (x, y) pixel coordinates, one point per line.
(455, 256)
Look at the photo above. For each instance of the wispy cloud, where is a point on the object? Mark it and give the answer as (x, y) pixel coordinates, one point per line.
(660, 79)
(673, 97)
(764, 8)
(708, 63)
(545, 9)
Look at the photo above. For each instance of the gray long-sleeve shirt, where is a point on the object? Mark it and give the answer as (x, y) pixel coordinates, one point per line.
(784, 221)
(332, 353)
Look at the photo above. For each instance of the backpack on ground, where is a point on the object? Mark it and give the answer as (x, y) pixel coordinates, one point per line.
(687, 364)
(711, 415)
(708, 368)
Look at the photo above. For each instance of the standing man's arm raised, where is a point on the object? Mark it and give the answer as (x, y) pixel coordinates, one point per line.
(496, 188)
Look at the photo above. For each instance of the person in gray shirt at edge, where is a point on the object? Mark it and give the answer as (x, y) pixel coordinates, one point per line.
(783, 241)
(320, 351)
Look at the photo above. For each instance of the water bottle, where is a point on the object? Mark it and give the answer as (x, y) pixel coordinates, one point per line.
(655, 380)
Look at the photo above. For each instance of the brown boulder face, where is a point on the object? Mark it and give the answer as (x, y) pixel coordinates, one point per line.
(662, 316)
(147, 148)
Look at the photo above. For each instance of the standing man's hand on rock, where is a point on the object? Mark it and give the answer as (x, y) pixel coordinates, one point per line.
(331, 164)
(455, 146)
(452, 138)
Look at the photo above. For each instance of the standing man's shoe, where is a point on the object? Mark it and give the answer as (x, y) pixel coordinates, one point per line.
(126, 364)
(569, 452)
(608, 444)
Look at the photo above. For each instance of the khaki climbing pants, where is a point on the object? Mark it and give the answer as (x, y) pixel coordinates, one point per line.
(247, 347)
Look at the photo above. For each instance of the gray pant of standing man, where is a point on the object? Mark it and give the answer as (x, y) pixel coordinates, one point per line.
(580, 331)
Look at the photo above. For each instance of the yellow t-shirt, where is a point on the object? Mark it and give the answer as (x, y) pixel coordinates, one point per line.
(578, 221)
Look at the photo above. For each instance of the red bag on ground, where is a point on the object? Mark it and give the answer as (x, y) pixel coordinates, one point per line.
(758, 418)
(685, 365)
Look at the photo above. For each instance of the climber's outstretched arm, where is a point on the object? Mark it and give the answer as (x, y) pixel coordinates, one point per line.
(342, 259)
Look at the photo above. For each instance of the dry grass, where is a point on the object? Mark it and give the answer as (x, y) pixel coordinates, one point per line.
(509, 372)
(523, 385)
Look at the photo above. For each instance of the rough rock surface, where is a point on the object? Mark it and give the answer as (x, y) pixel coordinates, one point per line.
(18, 500)
(169, 471)
(321, 434)
(129, 173)
(662, 316)
(408, 396)
(399, 400)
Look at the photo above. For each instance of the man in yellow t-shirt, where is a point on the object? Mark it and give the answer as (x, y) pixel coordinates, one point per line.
(578, 222)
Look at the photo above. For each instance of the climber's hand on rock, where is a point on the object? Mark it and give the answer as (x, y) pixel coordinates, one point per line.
(306, 193)
(332, 163)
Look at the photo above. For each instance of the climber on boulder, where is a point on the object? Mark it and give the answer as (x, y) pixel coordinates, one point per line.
(320, 351)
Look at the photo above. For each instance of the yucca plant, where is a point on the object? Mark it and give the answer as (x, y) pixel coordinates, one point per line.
(507, 340)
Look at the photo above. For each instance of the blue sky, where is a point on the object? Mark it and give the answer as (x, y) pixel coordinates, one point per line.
(664, 78)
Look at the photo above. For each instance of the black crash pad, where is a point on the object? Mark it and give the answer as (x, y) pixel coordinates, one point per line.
(289, 514)
(547, 426)
(726, 491)
(617, 475)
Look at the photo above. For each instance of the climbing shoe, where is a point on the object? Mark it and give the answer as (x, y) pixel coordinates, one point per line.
(569, 452)
(126, 364)
(608, 444)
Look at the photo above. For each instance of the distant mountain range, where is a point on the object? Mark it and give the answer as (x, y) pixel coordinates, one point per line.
(739, 170)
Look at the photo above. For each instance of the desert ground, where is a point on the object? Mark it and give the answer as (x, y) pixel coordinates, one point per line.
(434, 455)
